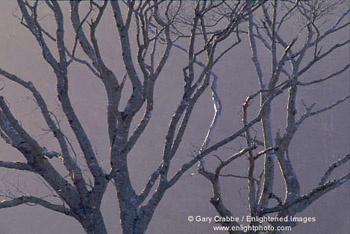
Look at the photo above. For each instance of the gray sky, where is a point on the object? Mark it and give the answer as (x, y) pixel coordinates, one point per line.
(318, 143)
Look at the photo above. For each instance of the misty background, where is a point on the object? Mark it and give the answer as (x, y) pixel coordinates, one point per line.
(318, 143)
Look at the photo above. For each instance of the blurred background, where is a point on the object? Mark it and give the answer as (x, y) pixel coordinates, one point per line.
(318, 143)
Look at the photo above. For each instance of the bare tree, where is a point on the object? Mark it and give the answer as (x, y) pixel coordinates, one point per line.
(290, 60)
(148, 32)
(151, 28)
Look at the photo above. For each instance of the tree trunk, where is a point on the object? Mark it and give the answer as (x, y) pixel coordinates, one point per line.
(93, 223)
(135, 221)
(136, 225)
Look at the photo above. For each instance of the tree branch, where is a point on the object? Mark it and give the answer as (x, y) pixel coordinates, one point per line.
(27, 199)
(332, 167)
(16, 165)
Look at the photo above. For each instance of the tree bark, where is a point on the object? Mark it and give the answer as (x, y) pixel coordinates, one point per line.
(93, 223)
